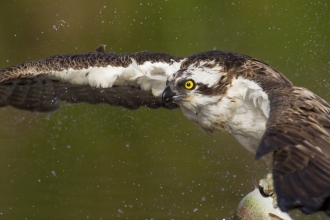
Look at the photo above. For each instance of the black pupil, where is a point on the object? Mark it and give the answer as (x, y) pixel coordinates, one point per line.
(188, 84)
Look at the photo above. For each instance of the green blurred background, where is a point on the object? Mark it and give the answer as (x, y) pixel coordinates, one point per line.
(102, 162)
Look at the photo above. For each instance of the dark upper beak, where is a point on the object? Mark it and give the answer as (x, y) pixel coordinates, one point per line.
(168, 95)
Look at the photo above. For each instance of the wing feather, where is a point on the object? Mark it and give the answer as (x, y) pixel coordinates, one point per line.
(128, 80)
(298, 134)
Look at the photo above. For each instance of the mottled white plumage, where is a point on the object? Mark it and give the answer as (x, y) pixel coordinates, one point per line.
(149, 76)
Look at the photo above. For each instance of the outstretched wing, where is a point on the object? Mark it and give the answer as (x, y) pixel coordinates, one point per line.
(129, 80)
(298, 132)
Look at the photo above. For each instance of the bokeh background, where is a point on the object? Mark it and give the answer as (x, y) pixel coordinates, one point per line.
(103, 162)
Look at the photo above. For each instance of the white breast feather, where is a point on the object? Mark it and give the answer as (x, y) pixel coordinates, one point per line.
(150, 76)
(250, 112)
(252, 91)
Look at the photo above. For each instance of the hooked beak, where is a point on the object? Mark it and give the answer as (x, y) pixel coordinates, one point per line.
(169, 95)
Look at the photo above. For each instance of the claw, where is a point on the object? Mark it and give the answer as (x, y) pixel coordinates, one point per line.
(266, 188)
(266, 185)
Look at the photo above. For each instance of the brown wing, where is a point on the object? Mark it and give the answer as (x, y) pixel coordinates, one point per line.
(298, 134)
(43, 94)
(41, 85)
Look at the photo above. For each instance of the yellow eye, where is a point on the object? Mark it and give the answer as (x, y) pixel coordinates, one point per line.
(189, 84)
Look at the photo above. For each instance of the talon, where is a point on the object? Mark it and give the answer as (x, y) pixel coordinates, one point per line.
(266, 188)
(266, 185)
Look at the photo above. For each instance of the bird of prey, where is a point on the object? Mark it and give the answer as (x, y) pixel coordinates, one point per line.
(286, 125)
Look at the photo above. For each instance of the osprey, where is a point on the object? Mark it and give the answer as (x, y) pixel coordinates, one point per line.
(287, 126)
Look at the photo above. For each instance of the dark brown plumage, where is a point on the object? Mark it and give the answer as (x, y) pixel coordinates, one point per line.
(298, 132)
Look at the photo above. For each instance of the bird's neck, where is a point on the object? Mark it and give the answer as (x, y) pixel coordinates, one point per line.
(243, 112)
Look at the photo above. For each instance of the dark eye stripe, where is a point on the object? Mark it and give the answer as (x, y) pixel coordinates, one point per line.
(216, 89)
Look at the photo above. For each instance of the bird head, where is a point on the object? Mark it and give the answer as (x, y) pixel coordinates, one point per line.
(203, 78)
(198, 89)
(196, 85)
